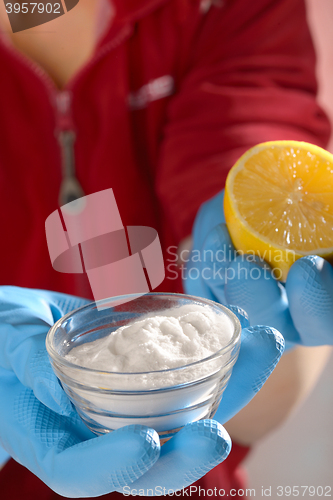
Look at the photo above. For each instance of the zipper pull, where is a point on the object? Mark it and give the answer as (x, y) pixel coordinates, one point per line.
(70, 189)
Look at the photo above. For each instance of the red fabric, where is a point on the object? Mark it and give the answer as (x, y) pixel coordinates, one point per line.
(243, 73)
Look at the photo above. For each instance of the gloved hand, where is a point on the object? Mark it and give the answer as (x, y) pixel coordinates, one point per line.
(302, 310)
(41, 430)
(38, 425)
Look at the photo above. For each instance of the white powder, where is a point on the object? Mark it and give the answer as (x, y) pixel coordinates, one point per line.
(166, 339)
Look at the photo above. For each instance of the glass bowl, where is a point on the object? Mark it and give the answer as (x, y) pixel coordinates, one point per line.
(164, 400)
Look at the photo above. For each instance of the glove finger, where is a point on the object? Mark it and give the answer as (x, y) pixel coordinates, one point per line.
(29, 361)
(213, 262)
(24, 306)
(61, 303)
(193, 283)
(260, 351)
(241, 315)
(4, 457)
(63, 452)
(309, 288)
(209, 215)
(28, 427)
(189, 455)
(105, 463)
(253, 287)
(35, 372)
(25, 318)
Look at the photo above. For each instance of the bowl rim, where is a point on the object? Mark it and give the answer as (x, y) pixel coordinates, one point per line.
(60, 360)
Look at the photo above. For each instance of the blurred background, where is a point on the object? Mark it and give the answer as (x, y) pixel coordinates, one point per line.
(300, 452)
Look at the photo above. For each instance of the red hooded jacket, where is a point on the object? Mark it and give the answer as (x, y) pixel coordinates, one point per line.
(176, 91)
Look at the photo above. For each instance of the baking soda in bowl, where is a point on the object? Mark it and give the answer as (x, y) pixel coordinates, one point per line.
(162, 360)
(161, 341)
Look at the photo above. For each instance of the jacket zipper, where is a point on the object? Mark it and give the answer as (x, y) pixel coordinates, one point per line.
(61, 100)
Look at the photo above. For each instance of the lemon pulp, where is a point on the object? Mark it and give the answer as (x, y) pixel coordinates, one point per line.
(279, 203)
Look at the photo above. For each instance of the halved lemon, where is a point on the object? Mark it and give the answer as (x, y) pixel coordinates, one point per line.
(278, 203)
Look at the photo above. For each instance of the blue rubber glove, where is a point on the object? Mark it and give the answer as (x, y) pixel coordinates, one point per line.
(38, 425)
(302, 310)
(41, 430)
